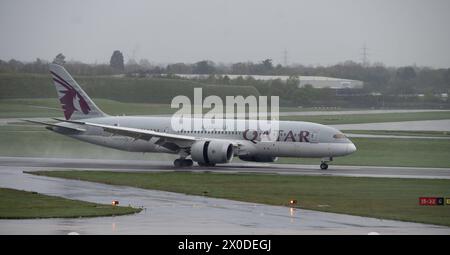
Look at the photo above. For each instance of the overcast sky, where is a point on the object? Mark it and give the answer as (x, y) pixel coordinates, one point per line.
(396, 32)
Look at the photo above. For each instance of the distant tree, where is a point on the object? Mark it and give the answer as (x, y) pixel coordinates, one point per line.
(279, 70)
(447, 77)
(116, 61)
(132, 61)
(59, 59)
(179, 68)
(267, 64)
(264, 67)
(3, 66)
(145, 63)
(293, 81)
(406, 73)
(15, 65)
(133, 67)
(38, 66)
(226, 79)
(240, 68)
(204, 67)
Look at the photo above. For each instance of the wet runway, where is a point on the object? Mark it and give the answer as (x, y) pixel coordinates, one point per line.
(171, 213)
(293, 169)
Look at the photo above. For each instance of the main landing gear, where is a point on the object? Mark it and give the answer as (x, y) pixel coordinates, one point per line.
(324, 164)
(181, 162)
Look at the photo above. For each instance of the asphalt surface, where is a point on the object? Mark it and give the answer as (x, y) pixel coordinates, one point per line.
(172, 213)
(146, 165)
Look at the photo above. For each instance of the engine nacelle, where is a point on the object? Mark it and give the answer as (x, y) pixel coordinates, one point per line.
(212, 152)
(258, 158)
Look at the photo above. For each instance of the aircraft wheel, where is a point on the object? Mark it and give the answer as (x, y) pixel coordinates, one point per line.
(324, 166)
(188, 163)
(183, 163)
(177, 163)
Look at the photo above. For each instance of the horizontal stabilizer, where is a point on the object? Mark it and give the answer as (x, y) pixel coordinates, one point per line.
(70, 121)
(55, 125)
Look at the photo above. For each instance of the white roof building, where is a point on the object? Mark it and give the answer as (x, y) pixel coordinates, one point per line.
(315, 81)
(328, 82)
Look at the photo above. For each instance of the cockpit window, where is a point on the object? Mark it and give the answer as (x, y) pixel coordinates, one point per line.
(339, 136)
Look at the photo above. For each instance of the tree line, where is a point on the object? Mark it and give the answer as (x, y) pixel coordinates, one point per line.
(377, 78)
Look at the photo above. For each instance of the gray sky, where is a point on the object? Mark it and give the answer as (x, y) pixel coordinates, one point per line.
(396, 32)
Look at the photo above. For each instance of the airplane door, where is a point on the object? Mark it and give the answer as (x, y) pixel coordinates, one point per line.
(314, 136)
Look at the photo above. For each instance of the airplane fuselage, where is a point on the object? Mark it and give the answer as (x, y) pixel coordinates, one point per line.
(295, 138)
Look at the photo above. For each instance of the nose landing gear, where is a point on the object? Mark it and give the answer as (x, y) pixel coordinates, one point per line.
(324, 163)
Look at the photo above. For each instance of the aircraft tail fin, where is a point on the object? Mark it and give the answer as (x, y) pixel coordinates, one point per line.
(75, 103)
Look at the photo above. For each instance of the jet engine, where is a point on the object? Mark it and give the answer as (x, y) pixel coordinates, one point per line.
(258, 158)
(212, 152)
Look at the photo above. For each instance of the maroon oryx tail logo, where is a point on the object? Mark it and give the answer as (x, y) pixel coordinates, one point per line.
(70, 95)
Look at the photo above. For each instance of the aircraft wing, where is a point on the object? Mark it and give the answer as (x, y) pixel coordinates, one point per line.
(170, 141)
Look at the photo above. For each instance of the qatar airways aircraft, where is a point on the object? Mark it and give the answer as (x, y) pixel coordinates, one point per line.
(86, 122)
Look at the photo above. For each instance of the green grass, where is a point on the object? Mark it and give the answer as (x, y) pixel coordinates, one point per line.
(17, 204)
(385, 198)
(391, 152)
(13, 108)
(370, 118)
(400, 133)
(138, 90)
(22, 108)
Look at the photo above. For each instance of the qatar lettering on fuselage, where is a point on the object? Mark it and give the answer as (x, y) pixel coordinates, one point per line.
(289, 136)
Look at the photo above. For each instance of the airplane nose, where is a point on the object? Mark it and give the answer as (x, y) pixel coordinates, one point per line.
(351, 148)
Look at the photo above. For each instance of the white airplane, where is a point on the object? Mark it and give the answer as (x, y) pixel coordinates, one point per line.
(86, 122)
